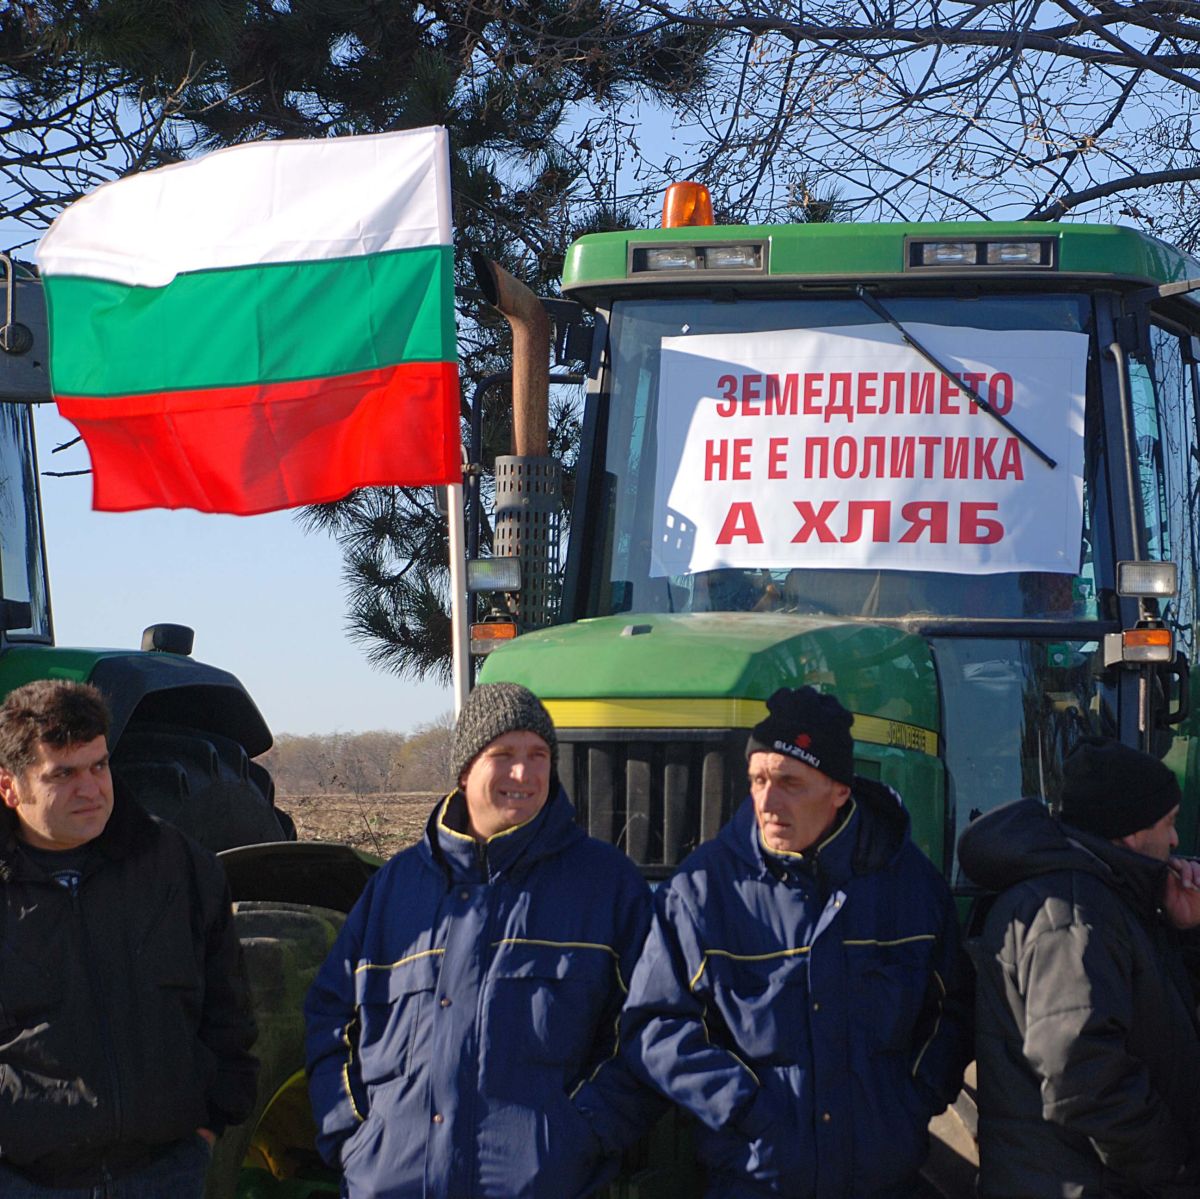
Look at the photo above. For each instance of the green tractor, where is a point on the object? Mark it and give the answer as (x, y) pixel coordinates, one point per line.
(946, 471)
(184, 739)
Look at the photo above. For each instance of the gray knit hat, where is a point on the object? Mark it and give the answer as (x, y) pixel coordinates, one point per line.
(492, 710)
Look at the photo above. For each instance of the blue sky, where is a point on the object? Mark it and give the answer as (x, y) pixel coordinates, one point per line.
(264, 598)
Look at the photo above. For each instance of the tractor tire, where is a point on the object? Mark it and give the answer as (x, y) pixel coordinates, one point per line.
(273, 1151)
(201, 782)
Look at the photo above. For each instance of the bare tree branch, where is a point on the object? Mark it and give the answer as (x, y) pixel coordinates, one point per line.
(1112, 187)
(932, 109)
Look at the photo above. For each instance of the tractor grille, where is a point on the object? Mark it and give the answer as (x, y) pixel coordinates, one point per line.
(655, 799)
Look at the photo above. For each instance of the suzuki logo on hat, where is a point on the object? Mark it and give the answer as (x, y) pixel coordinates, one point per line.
(823, 742)
(798, 749)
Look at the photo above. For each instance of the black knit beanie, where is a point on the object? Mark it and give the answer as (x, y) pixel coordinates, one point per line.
(810, 727)
(1111, 790)
(492, 710)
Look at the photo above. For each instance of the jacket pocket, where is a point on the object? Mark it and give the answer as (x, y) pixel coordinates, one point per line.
(780, 1158)
(547, 1000)
(166, 1086)
(542, 1148)
(168, 945)
(394, 1003)
(568, 1149)
(29, 993)
(888, 984)
(890, 1122)
(763, 1003)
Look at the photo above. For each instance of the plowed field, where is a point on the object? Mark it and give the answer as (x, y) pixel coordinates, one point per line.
(378, 824)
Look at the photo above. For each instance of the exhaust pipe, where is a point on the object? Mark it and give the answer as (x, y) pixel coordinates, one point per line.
(528, 482)
(531, 355)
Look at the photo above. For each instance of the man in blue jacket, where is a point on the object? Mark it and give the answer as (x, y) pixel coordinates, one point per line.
(462, 1035)
(803, 991)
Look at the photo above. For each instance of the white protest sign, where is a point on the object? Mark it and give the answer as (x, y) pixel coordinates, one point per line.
(844, 447)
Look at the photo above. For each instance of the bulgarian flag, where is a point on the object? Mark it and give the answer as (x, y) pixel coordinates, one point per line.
(266, 326)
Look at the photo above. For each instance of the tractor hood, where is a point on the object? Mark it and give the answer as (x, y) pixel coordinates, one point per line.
(720, 660)
(162, 687)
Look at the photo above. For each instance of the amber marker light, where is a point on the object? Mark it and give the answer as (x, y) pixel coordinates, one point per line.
(687, 204)
(490, 634)
(1147, 645)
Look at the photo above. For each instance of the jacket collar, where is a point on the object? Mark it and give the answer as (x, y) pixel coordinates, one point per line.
(829, 863)
(129, 827)
(1140, 879)
(1021, 840)
(873, 832)
(511, 852)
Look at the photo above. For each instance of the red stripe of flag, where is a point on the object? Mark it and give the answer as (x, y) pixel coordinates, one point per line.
(263, 447)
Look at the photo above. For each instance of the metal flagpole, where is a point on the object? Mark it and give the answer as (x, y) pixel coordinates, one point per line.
(459, 628)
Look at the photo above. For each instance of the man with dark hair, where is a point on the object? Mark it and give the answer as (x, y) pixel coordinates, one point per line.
(803, 991)
(48, 711)
(125, 1025)
(462, 1035)
(1088, 1040)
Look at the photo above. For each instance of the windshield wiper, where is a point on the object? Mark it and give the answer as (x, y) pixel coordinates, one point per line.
(876, 306)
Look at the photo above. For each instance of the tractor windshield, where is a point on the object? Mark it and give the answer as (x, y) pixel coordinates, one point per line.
(26, 609)
(796, 455)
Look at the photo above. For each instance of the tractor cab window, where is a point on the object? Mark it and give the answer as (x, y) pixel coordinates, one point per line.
(1164, 399)
(628, 569)
(26, 609)
(1012, 708)
(1150, 446)
(1163, 395)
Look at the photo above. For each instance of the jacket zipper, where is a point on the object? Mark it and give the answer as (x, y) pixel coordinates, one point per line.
(485, 967)
(102, 1014)
(156, 920)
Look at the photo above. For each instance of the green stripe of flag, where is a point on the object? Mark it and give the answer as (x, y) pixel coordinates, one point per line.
(260, 324)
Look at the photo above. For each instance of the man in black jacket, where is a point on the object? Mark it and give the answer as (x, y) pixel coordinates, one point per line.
(1088, 1043)
(125, 1024)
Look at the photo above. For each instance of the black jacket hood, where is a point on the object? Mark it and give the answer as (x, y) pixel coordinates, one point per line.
(1022, 840)
(885, 826)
